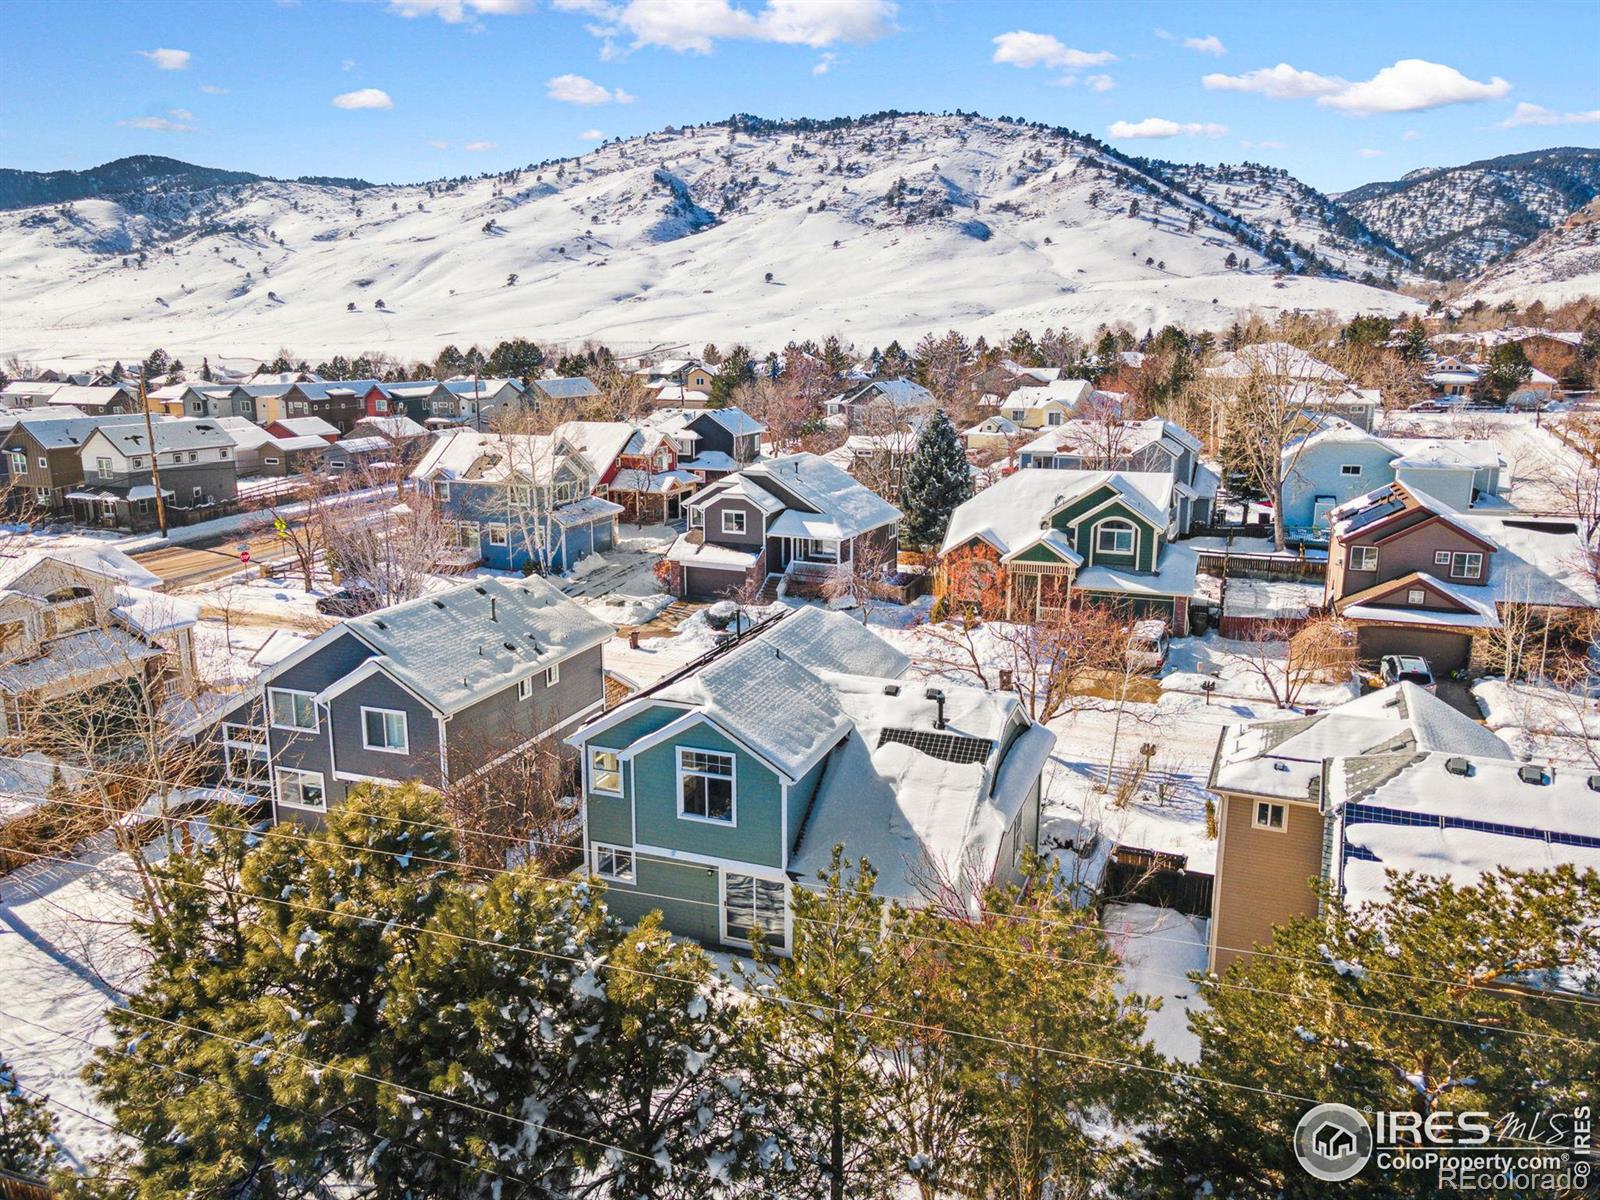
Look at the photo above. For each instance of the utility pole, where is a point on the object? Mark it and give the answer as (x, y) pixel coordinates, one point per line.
(155, 467)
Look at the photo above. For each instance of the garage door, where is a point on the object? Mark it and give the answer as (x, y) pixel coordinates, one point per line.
(1444, 650)
(702, 583)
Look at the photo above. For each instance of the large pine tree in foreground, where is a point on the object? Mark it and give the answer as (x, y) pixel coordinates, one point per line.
(938, 480)
(26, 1126)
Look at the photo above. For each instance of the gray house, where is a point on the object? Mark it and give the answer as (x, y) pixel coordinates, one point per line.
(195, 460)
(430, 691)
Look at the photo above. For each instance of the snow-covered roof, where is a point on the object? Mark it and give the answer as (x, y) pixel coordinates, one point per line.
(735, 420)
(490, 457)
(183, 433)
(1285, 758)
(76, 661)
(102, 557)
(152, 613)
(246, 434)
(585, 510)
(1538, 561)
(1013, 511)
(821, 485)
(1445, 454)
(453, 647)
(1067, 393)
(598, 441)
(705, 554)
(1474, 612)
(395, 428)
(89, 397)
(901, 393)
(710, 460)
(821, 640)
(60, 432)
(1274, 358)
(307, 427)
(573, 388)
(1041, 374)
(1116, 439)
(1174, 575)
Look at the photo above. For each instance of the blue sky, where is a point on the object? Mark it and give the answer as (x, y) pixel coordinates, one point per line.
(403, 90)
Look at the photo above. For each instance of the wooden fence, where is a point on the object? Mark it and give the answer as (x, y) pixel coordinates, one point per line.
(22, 1187)
(1139, 876)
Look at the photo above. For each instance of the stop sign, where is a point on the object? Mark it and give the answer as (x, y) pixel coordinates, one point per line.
(244, 556)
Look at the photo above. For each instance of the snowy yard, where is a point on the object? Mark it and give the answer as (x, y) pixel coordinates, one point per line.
(1159, 947)
(1541, 465)
(66, 954)
(1544, 723)
(1236, 668)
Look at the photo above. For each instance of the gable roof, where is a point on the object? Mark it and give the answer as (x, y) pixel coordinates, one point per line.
(820, 640)
(1470, 611)
(1067, 393)
(183, 433)
(306, 426)
(598, 441)
(573, 388)
(822, 486)
(64, 432)
(735, 420)
(1011, 514)
(495, 458)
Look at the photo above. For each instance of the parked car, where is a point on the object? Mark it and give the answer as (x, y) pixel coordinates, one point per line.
(351, 602)
(1148, 644)
(1425, 406)
(1406, 668)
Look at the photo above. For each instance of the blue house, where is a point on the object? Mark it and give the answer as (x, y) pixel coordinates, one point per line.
(713, 794)
(516, 500)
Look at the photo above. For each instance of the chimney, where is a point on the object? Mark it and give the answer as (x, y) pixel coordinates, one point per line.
(492, 615)
(937, 696)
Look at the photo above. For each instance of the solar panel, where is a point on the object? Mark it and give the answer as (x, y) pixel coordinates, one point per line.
(948, 747)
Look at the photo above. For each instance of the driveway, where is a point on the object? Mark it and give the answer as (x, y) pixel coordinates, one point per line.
(1458, 695)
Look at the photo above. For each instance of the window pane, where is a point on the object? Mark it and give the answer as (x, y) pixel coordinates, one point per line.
(754, 909)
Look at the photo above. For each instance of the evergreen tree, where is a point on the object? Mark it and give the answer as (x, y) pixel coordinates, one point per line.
(737, 369)
(516, 359)
(895, 363)
(815, 1025)
(1509, 369)
(834, 356)
(205, 369)
(938, 480)
(1417, 1003)
(1414, 342)
(450, 362)
(175, 371)
(26, 1126)
(155, 366)
(1239, 481)
(118, 373)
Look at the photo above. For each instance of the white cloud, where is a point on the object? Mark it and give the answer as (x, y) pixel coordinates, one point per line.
(1264, 144)
(1411, 85)
(363, 98)
(212, 89)
(1210, 44)
(1367, 153)
(1160, 127)
(1538, 114)
(1023, 49)
(439, 143)
(825, 63)
(1410, 135)
(456, 12)
(167, 60)
(1281, 82)
(1099, 83)
(478, 147)
(695, 26)
(592, 135)
(575, 89)
(347, 64)
(177, 120)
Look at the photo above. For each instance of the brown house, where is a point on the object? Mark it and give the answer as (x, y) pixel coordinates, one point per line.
(41, 462)
(1272, 780)
(1412, 576)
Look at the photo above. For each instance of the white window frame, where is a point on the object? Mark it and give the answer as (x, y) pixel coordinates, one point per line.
(1282, 811)
(606, 853)
(405, 730)
(293, 693)
(102, 467)
(278, 774)
(1416, 596)
(1350, 469)
(596, 770)
(498, 535)
(250, 748)
(441, 489)
(722, 909)
(1441, 558)
(697, 518)
(822, 550)
(1363, 558)
(270, 462)
(743, 525)
(525, 688)
(1116, 525)
(44, 461)
(1466, 557)
(552, 675)
(732, 777)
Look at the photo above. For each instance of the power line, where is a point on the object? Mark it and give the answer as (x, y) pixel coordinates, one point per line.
(281, 830)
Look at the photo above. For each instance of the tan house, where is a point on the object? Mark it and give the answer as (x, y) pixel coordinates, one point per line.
(1275, 805)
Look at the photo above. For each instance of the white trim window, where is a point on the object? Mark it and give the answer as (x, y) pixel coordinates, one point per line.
(552, 675)
(733, 520)
(525, 688)
(605, 771)
(696, 518)
(245, 757)
(441, 490)
(1441, 558)
(1363, 558)
(294, 710)
(613, 862)
(822, 550)
(300, 789)
(1270, 816)
(1416, 596)
(1123, 537)
(706, 781)
(1466, 564)
(384, 729)
(497, 535)
(754, 909)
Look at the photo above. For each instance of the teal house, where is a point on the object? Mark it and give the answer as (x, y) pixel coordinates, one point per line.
(715, 793)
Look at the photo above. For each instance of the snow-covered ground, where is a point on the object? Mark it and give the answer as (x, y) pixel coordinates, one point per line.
(1236, 668)
(664, 239)
(66, 955)
(1159, 947)
(1545, 723)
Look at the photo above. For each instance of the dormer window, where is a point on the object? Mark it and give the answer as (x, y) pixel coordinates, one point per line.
(1114, 537)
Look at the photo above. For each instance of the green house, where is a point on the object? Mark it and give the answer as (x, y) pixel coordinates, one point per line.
(1053, 536)
(713, 794)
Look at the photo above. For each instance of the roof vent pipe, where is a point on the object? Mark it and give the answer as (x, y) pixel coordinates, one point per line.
(492, 615)
(937, 696)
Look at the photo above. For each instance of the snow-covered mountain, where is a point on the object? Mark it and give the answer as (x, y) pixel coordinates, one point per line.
(1561, 265)
(873, 228)
(1456, 221)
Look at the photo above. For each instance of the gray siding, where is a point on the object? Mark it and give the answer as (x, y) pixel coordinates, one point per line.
(313, 751)
(421, 760)
(500, 722)
(750, 539)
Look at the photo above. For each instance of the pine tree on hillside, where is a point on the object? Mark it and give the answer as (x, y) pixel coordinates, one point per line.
(1419, 1002)
(938, 480)
(26, 1126)
(155, 366)
(1414, 341)
(1509, 369)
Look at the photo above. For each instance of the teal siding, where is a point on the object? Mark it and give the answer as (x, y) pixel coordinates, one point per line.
(611, 817)
(610, 820)
(1147, 539)
(757, 835)
(691, 912)
(801, 796)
